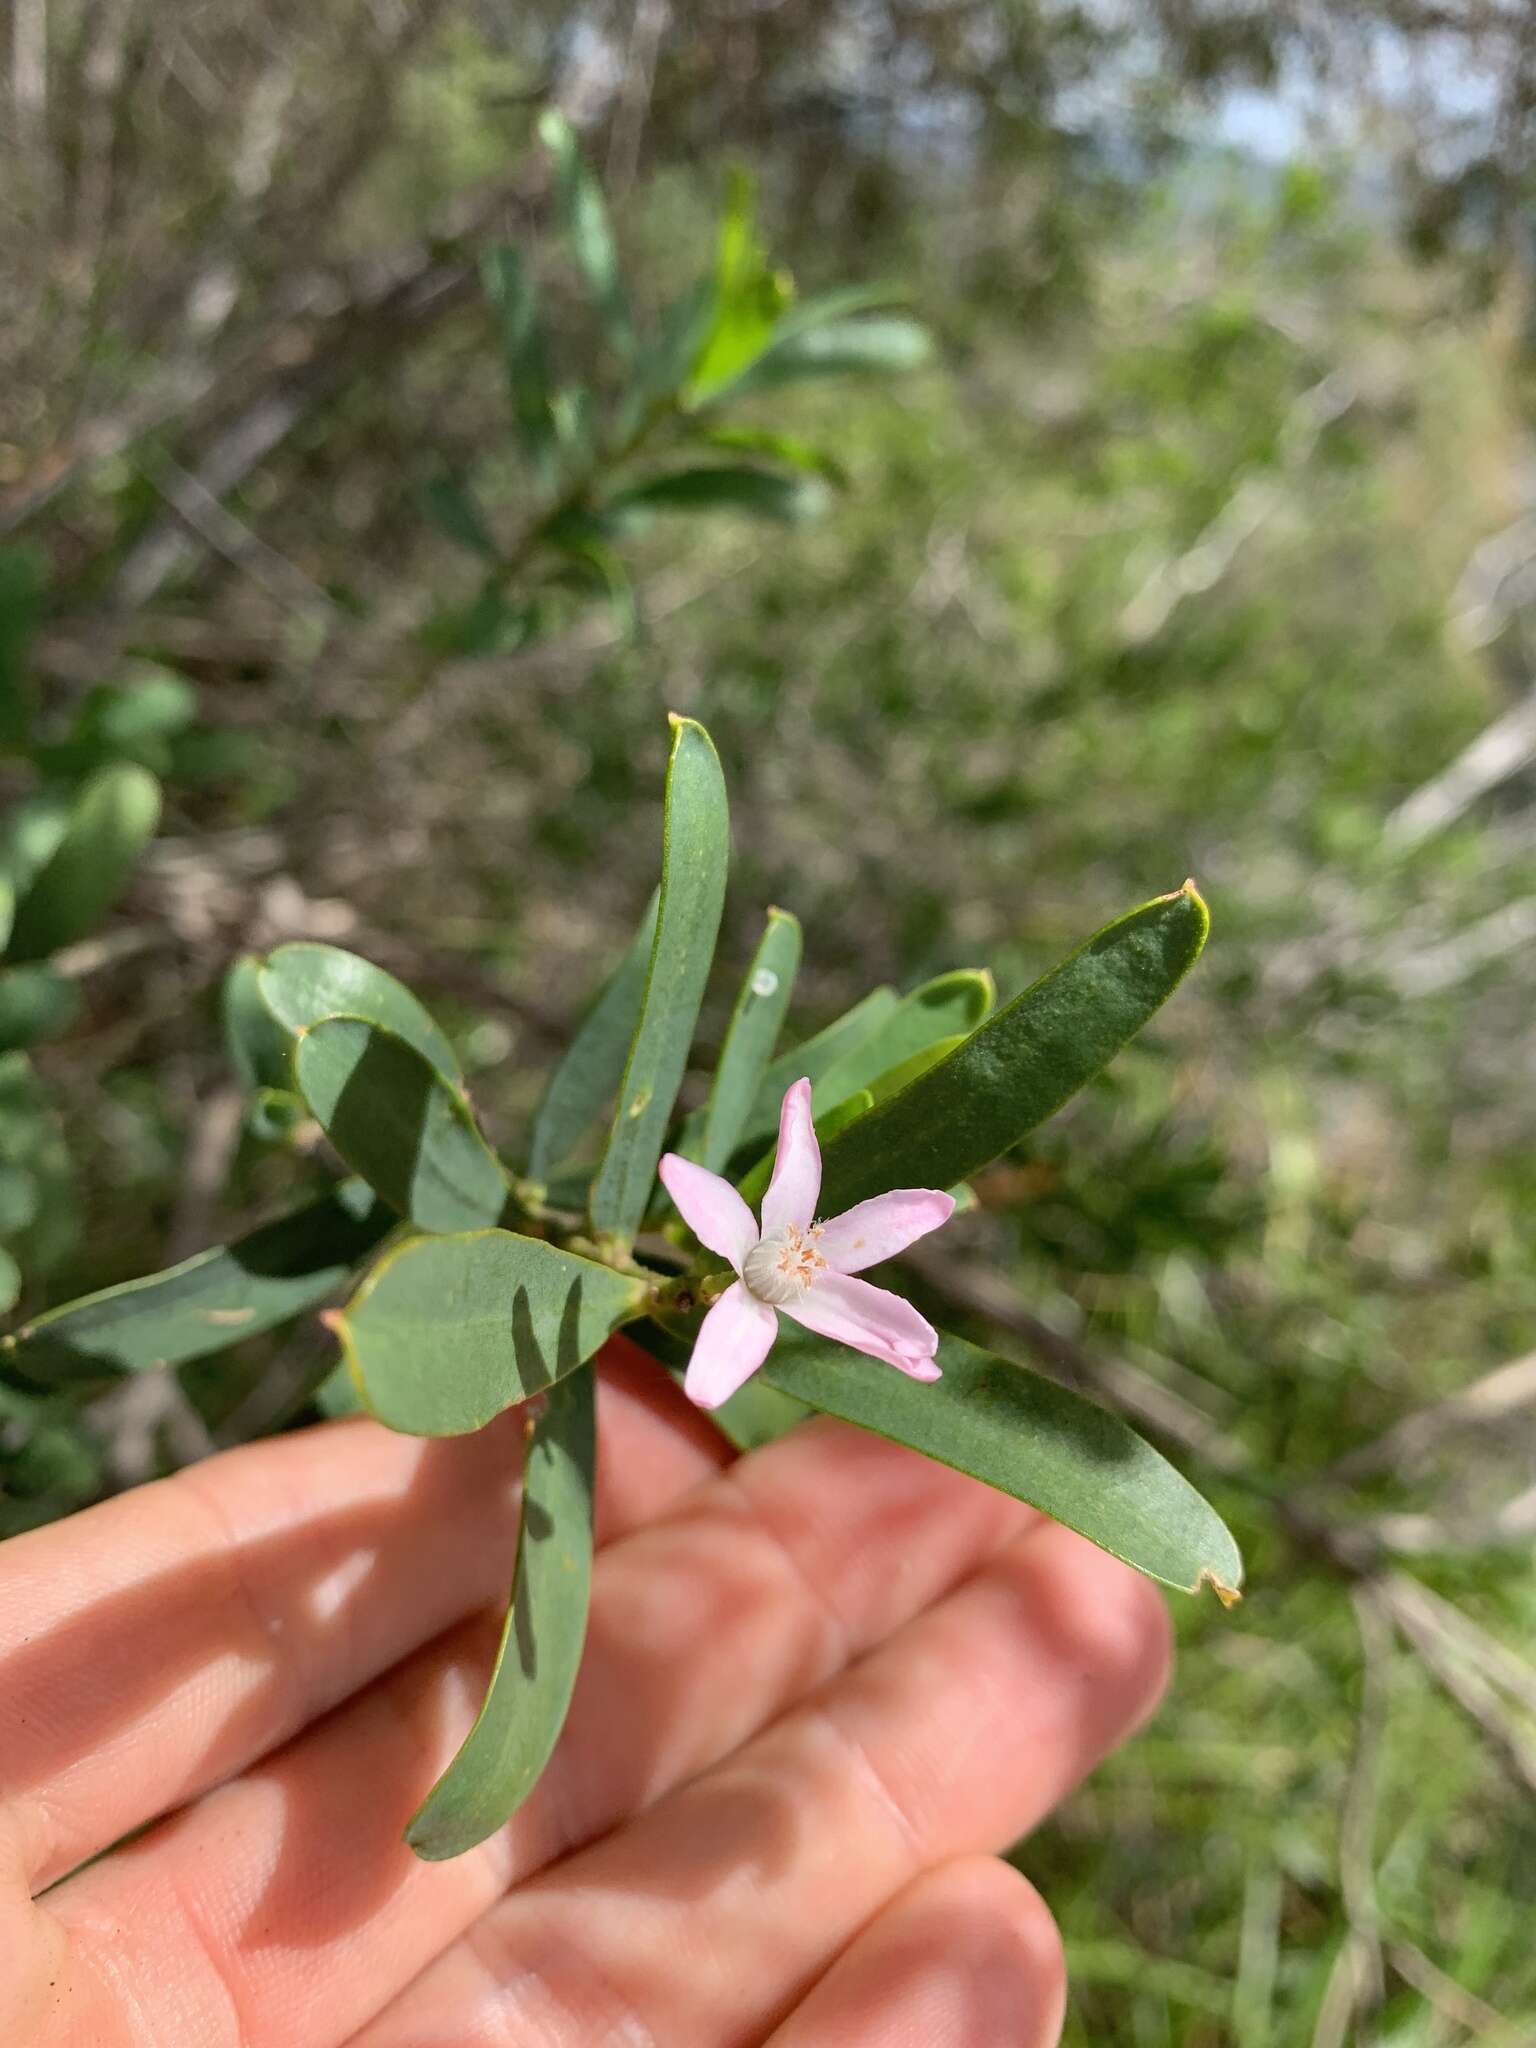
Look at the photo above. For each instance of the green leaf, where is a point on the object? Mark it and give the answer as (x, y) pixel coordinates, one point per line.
(749, 297)
(34, 1003)
(448, 502)
(10, 1282)
(137, 720)
(534, 1675)
(19, 1198)
(398, 1123)
(337, 1395)
(842, 348)
(303, 982)
(112, 819)
(445, 1332)
(21, 607)
(750, 1038)
(207, 1302)
(789, 449)
(720, 487)
(894, 1079)
(514, 295)
(276, 1116)
(585, 217)
(1029, 1438)
(753, 1185)
(588, 1076)
(7, 911)
(814, 1057)
(842, 303)
(811, 1057)
(260, 1049)
(949, 1005)
(590, 565)
(667, 363)
(30, 833)
(1024, 1063)
(695, 855)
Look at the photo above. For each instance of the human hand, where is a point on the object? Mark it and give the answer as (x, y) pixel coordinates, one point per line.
(821, 1684)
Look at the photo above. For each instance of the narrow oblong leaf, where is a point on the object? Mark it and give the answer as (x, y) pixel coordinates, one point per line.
(534, 1675)
(34, 1003)
(695, 856)
(513, 293)
(588, 1076)
(748, 299)
(1030, 1438)
(400, 1125)
(304, 981)
(584, 213)
(790, 449)
(111, 820)
(667, 363)
(1023, 1063)
(880, 346)
(446, 1332)
(948, 1006)
(750, 1038)
(449, 503)
(841, 303)
(721, 487)
(894, 1079)
(812, 1058)
(207, 1302)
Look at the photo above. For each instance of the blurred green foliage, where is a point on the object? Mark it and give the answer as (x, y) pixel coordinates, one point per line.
(1168, 564)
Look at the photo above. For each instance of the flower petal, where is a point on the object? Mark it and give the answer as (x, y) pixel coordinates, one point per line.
(870, 1319)
(710, 1207)
(881, 1227)
(796, 1183)
(733, 1340)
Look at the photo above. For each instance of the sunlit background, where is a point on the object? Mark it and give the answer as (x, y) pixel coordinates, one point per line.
(1204, 543)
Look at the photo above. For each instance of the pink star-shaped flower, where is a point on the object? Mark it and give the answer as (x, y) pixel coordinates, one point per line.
(798, 1265)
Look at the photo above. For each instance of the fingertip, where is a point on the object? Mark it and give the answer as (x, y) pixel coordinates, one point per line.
(967, 1954)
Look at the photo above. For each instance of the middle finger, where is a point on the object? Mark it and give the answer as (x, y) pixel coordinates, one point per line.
(285, 1908)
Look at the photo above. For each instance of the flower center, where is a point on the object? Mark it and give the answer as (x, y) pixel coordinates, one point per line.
(781, 1267)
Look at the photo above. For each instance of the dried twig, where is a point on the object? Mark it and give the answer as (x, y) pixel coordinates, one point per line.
(1513, 1521)
(1446, 1654)
(211, 1147)
(1492, 1398)
(1500, 750)
(1356, 1984)
(1453, 2001)
(1255, 499)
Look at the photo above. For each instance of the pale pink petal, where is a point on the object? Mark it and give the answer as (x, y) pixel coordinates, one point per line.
(796, 1183)
(733, 1340)
(870, 1319)
(710, 1207)
(881, 1227)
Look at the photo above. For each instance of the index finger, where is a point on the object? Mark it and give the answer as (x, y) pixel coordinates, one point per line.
(158, 1643)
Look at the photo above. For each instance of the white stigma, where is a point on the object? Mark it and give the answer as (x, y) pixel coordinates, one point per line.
(780, 1267)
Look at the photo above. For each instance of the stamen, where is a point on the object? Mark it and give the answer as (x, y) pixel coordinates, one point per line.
(783, 1265)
